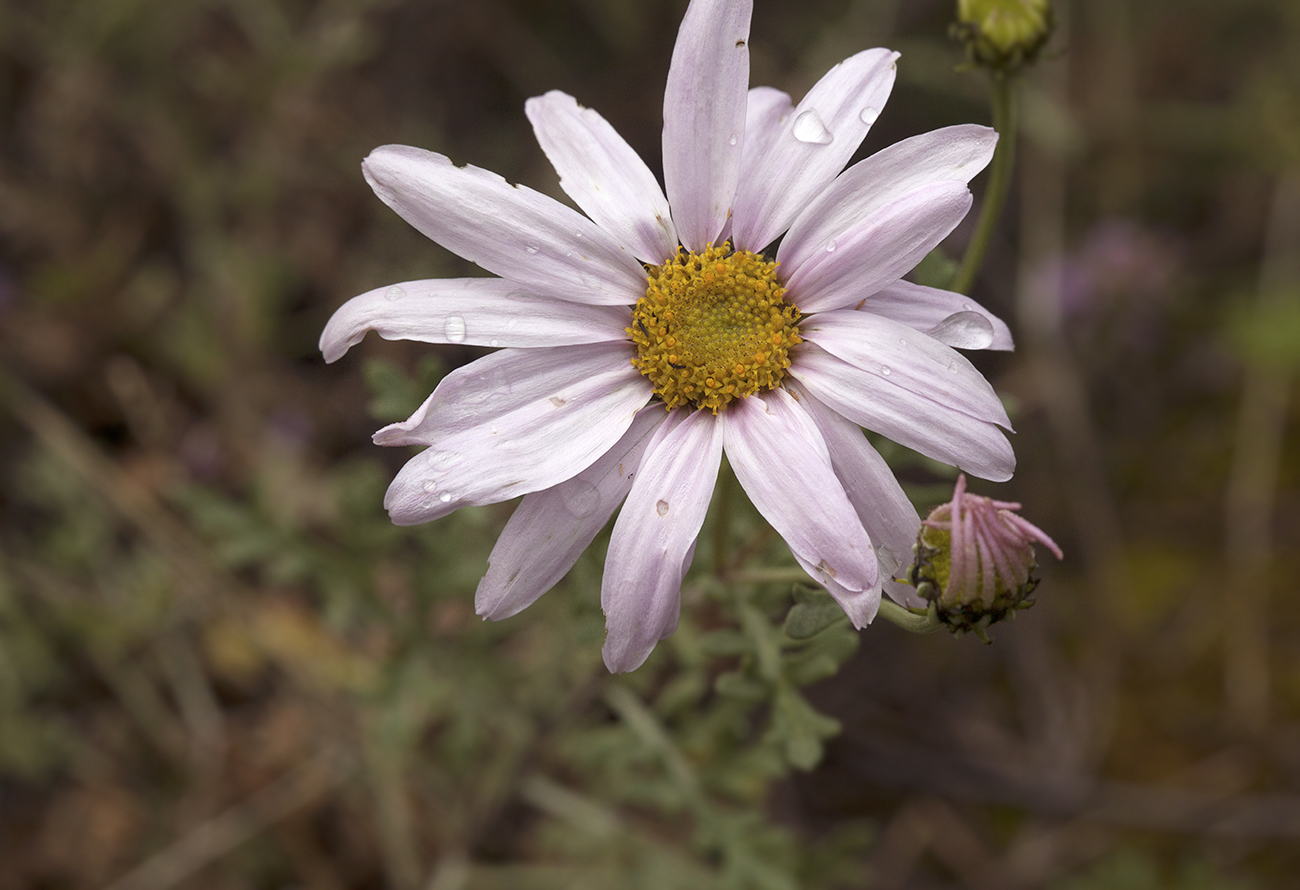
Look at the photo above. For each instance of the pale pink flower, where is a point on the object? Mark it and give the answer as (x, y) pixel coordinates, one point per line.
(562, 416)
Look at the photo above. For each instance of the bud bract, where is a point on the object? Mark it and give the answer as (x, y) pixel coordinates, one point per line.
(975, 560)
(1004, 35)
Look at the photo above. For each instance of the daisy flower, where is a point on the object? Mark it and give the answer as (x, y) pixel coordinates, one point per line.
(643, 340)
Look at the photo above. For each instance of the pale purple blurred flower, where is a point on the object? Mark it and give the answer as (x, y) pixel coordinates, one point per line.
(561, 415)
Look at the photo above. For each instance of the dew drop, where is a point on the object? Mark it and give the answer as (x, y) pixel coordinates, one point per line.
(429, 487)
(494, 342)
(580, 498)
(808, 127)
(445, 497)
(969, 307)
(662, 508)
(531, 248)
(869, 115)
(830, 246)
(455, 329)
(964, 330)
(396, 292)
(733, 140)
(884, 369)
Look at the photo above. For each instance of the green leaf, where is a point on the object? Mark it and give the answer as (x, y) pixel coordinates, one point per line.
(812, 613)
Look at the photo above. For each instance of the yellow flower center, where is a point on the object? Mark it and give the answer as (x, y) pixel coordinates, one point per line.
(713, 327)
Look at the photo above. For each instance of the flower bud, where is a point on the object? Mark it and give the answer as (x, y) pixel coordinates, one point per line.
(975, 560)
(1003, 35)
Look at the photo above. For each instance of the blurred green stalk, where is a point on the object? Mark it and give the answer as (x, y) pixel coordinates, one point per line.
(1003, 99)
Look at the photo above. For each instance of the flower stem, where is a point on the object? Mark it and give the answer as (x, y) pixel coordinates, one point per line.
(916, 622)
(1004, 121)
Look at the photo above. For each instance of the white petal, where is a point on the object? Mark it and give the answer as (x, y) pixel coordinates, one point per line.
(473, 311)
(511, 231)
(900, 356)
(704, 116)
(885, 510)
(604, 176)
(929, 309)
(766, 110)
(795, 168)
(782, 462)
(513, 422)
(550, 529)
(877, 250)
(654, 537)
(862, 192)
(932, 428)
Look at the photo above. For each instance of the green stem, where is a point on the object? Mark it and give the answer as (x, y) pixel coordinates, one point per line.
(1004, 121)
(915, 622)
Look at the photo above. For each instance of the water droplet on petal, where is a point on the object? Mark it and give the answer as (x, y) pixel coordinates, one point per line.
(830, 245)
(531, 248)
(808, 127)
(445, 497)
(494, 342)
(869, 115)
(580, 498)
(455, 329)
(662, 508)
(964, 330)
(733, 140)
(969, 307)
(429, 487)
(884, 369)
(396, 292)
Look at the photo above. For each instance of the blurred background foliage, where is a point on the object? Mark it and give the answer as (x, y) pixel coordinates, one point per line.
(221, 667)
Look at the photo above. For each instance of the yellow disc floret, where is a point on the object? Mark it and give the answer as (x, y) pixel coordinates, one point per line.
(713, 327)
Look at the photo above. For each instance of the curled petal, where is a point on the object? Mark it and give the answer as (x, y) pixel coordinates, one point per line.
(704, 116)
(654, 537)
(604, 176)
(765, 437)
(472, 311)
(511, 231)
(550, 529)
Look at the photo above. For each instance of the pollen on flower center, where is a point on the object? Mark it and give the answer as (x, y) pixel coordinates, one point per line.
(712, 327)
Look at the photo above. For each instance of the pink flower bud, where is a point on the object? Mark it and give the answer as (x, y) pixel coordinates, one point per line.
(975, 560)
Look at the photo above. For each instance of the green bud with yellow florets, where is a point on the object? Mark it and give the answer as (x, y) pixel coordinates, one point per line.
(975, 560)
(1002, 35)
